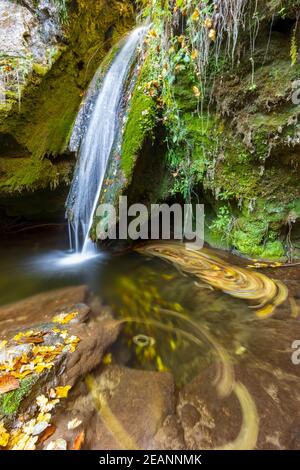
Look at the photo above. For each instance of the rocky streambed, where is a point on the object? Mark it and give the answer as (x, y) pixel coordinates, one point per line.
(62, 388)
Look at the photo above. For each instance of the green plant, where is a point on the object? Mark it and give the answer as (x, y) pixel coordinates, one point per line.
(223, 223)
(62, 7)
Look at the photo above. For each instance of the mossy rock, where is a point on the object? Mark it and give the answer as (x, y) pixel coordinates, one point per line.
(10, 402)
(41, 122)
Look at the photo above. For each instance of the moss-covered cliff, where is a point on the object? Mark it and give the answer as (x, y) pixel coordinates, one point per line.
(212, 116)
(51, 52)
(224, 86)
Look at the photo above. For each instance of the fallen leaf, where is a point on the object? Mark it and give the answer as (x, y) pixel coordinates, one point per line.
(62, 392)
(19, 375)
(107, 359)
(8, 383)
(208, 23)
(25, 442)
(152, 33)
(4, 435)
(49, 431)
(78, 441)
(31, 339)
(39, 428)
(194, 54)
(64, 318)
(43, 417)
(74, 423)
(3, 344)
(59, 444)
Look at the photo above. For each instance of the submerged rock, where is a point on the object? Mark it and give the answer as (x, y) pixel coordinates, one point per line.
(120, 408)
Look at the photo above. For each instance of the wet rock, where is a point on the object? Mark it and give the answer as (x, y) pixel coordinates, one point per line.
(28, 28)
(120, 408)
(51, 347)
(40, 308)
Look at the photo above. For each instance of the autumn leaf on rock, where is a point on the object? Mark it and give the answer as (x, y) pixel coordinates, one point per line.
(32, 339)
(62, 392)
(49, 431)
(4, 435)
(78, 441)
(64, 318)
(8, 383)
(59, 444)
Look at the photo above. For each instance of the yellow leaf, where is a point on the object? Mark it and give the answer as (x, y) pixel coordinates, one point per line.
(195, 16)
(4, 435)
(72, 340)
(152, 33)
(41, 367)
(212, 34)
(160, 365)
(196, 91)
(64, 318)
(208, 23)
(194, 54)
(43, 417)
(19, 375)
(107, 359)
(3, 343)
(62, 392)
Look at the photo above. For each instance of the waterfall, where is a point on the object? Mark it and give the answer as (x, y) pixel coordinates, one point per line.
(96, 147)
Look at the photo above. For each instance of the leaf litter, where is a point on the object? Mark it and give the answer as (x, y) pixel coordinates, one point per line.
(31, 353)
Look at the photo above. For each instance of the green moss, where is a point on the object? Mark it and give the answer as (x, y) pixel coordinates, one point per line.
(19, 174)
(10, 402)
(40, 69)
(141, 119)
(42, 122)
(251, 244)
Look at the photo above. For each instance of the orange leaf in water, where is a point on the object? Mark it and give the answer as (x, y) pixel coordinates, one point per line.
(8, 383)
(78, 441)
(49, 431)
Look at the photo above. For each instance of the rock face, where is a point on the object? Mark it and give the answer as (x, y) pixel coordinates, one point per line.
(46, 63)
(29, 28)
(30, 37)
(232, 128)
(44, 352)
(121, 408)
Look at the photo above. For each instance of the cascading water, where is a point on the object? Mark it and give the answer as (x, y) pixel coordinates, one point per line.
(96, 147)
